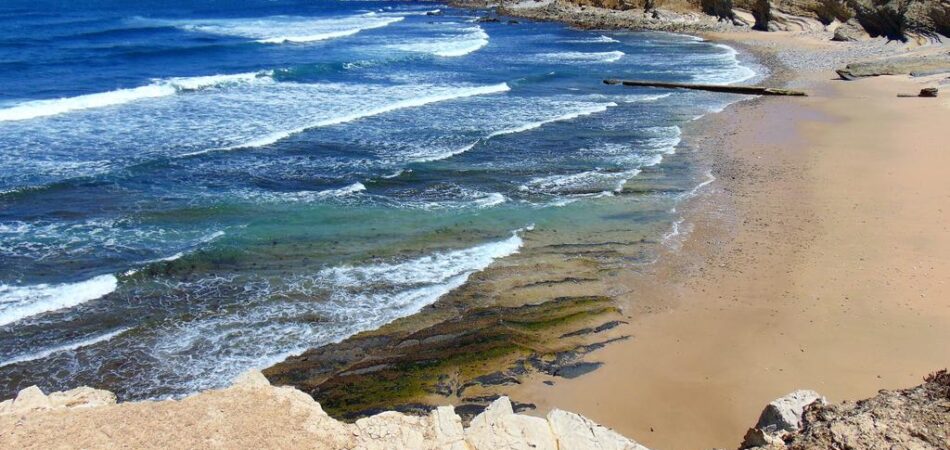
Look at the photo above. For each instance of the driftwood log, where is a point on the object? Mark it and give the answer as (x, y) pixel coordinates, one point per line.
(749, 90)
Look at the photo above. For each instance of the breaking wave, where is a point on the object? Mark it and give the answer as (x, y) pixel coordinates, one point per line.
(584, 57)
(19, 302)
(408, 103)
(286, 29)
(63, 348)
(471, 40)
(159, 88)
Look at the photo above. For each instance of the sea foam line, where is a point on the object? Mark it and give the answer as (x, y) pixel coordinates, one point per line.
(19, 302)
(411, 103)
(433, 269)
(64, 348)
(474, 39)
(585, 57)
(329, 35)
(569, 116)
(159, 88)
(283, 29)
(519, 129)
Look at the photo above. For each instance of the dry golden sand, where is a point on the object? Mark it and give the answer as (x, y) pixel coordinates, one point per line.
(819, 259)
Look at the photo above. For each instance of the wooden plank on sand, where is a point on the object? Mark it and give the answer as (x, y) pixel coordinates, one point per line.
(749, 90)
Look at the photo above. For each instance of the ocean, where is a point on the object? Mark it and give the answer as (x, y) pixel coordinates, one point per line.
(193, 188)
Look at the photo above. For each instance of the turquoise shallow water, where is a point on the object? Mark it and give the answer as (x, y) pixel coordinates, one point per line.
(188, 191)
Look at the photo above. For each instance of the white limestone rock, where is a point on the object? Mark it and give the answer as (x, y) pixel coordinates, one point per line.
(393, 431)
(82, 397)
(447, 429)
(252, 379)
(499, 428)
(30, 399)
(785, 413)
(576, 432)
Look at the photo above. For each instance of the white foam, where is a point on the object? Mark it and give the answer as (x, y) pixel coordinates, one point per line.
(446, 155)
(300, 196)
(64, 348)
(42, 108)
(596, 40)
(471, 40)
(185, 84)
(695, 190)
(287, 29)
(493, 199)
(583, 181)
(569, 116)
(343, 191)
(436, 268)
(584, 57)
(159, 88)
(19, 302)
(401, 104)
(732, 72)
(514, 113)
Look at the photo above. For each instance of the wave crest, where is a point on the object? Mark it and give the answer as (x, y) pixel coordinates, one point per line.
(20, 302)
(159, 88)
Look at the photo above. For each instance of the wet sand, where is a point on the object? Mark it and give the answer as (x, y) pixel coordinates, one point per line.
(819, 258)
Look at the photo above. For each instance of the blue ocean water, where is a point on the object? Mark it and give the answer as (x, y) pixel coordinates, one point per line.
(191, 188)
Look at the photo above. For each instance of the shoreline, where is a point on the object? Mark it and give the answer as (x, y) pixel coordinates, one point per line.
(736, 314)
(730, 315)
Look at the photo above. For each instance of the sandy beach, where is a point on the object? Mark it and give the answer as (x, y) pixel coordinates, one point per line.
(817, 259)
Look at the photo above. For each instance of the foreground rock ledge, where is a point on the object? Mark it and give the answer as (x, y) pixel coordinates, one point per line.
(254, 414)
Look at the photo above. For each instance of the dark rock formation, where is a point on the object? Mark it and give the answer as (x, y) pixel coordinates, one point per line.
(828, 11)
(762, 11)
(721, 9)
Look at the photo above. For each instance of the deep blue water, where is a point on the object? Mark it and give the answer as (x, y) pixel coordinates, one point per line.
(192, 188)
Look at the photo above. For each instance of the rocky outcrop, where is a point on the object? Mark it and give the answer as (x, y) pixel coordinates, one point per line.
(917, 65)
(254, 414)
(893, 19)
(464, 358)
(916, 418)
(33, 399)
(662, 15)
(780, 418)
(849, 31)
(64, 420)
(720, 9)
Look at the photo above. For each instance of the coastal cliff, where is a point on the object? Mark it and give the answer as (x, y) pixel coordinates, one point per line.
(849, 19)
(254, 414)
